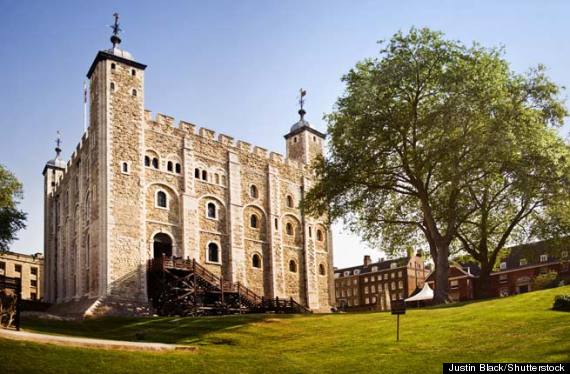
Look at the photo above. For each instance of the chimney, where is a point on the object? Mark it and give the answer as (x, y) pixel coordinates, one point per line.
(367, 260)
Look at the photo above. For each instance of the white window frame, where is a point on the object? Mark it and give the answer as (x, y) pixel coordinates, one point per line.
(543, 258)
(503, 265)
(156, 199)
(217, 210)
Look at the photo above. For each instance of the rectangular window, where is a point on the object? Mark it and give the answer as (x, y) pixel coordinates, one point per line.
(385, 276)
(355, 281)
(355, 291)
(367, 301)
(366, 290)
(355, 302)
(18, 268)
(400, 284)
(365, 279)
(33, 283)
(374, 300)
(33, 296)
(349, 293)
(373, 289)
(522, 262)
(543, 258)
(392, 275)
(34, 271)
(454, 284)
(400, 274)
(2, 267)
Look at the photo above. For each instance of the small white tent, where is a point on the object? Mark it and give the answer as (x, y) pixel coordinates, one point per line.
(425, 294)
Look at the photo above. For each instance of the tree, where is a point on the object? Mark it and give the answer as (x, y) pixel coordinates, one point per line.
(11, 219)
(415, 130)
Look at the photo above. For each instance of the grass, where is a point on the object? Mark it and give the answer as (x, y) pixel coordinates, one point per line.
(520, 328)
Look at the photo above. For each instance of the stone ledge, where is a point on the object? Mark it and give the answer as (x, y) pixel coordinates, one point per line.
(70, 341)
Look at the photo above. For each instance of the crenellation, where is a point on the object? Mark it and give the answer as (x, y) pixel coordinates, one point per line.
(187, 127)
(276, 157)
(261, 152)
(207, 133)
(226, 140)
(164, 119)
(244, 146)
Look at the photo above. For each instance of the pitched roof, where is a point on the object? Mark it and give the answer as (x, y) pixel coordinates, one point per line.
(381, 265)
(531, 252)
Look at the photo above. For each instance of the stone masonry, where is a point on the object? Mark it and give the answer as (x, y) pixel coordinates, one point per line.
(137, 179)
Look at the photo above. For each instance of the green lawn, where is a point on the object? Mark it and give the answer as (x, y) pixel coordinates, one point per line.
(518, 328)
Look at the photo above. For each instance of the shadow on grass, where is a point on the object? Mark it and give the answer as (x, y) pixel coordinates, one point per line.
(173, 330)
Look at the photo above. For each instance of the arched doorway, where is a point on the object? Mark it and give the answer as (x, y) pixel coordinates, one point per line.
(162, 244)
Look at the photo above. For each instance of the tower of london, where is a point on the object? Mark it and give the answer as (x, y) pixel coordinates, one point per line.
(140, 186)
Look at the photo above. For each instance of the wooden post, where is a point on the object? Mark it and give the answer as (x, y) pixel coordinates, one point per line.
(398, 328)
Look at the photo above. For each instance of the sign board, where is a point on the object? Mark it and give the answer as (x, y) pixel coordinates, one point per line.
(398, 307)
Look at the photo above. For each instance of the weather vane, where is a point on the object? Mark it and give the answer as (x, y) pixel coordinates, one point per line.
(302, 94)
(58, 143)
(116, 30)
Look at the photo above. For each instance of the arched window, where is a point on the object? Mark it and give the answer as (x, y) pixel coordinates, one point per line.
(204, 175)
(256, 261)
(289, 228)
(319, 235)
(276, 224)
(292, 266)
(112, 87)
(253, 191)
(289, 201)
(169, 166)
(253, 221)
(155, 163)
(196, 173)
(213, 252)
(310, 232)
(134, 92)
(223, 180)
(322, 270)
(146, 161)
(125, 167)
(211, 207)
(161, 199)
(178, 168)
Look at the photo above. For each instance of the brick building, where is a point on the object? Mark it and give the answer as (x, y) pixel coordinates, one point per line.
(362, 287)
(516, 271)
(29, 268)
(139, 186)
(462, 278)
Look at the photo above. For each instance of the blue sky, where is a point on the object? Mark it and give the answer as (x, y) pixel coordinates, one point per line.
(232, 66)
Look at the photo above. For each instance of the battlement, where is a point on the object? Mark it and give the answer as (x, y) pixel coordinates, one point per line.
(189, 128)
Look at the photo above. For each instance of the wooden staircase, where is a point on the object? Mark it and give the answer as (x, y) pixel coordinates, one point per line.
(186, 288)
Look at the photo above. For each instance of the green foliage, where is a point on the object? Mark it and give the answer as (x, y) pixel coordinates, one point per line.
(511, 329)
(546, 280)
(11, 219)
(439, 145)
(562, 302)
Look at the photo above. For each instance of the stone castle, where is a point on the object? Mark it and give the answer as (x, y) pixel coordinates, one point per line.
(138, 187)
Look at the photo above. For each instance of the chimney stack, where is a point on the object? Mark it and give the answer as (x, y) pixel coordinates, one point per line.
(367, 260)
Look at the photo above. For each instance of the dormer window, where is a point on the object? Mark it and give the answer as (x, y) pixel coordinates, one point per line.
(523, 262)
(346, 273)
(374, 268)
(503, 266)
(543, 258)
(393, 265)
(356, 271)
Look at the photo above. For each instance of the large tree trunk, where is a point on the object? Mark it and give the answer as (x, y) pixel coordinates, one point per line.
(482, 284)
(441, 275)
